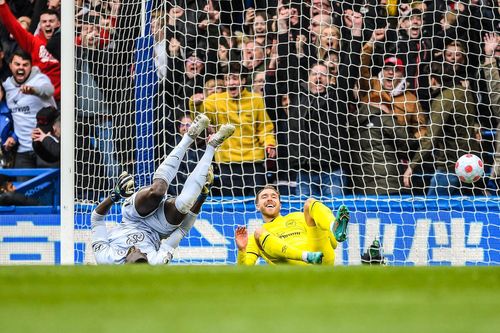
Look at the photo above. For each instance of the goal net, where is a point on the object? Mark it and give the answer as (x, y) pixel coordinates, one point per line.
(363, 103)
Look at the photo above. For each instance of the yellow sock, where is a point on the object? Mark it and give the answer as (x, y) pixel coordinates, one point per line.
(277, 248)
(322, 215)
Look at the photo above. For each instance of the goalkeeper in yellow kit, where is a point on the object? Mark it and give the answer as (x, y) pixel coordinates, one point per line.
(297, 238)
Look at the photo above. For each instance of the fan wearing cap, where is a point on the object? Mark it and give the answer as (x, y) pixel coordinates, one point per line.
(46, 136)
(389, 91)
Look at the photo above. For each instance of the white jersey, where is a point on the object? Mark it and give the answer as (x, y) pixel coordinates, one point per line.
(24, 107)
(145, 233)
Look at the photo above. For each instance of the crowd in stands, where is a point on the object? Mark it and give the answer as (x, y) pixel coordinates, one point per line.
(368, 97)
(364, 97)
(31, 84)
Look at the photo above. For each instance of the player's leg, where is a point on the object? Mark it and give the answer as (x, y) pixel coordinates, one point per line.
(174, 217)
(318, 232)
(194, 183)
(186, 221)
(317, 214)
(277, 248)
(148, 198)
(323, 229)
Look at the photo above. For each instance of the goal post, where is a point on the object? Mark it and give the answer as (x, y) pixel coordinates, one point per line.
(122, 99)
(67, 133)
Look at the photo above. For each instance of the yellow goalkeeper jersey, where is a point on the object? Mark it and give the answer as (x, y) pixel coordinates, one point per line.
(291, 228)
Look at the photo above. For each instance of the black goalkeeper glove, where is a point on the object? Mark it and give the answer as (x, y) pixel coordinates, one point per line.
(124, 187)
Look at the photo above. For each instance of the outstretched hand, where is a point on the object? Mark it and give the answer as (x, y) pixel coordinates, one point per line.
(124, 187)
(241, 238)
(491, 42)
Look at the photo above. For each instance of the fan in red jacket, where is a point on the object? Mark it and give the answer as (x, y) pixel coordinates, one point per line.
(36, 45)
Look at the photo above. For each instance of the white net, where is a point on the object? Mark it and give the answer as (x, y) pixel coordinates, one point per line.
(367, 103)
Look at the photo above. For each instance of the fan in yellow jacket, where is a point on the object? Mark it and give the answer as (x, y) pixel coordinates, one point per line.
(297, 238)
(244, 153)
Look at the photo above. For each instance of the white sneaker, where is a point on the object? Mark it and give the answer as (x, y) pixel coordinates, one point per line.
(224, 132)
(199, 124)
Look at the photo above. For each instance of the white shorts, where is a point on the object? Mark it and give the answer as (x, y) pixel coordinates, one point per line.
(155, 220)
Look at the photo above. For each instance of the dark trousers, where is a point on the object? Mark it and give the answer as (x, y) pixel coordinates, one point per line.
(241, 179)
(29, 160)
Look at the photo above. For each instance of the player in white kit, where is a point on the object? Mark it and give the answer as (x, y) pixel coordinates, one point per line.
(152, 226)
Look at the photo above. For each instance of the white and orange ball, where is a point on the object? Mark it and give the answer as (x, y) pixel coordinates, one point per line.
(469, 168)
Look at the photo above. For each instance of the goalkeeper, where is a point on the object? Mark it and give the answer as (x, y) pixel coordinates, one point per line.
(297, 238)
(147, 215)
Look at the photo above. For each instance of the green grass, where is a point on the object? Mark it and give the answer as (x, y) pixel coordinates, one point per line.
(249, 299)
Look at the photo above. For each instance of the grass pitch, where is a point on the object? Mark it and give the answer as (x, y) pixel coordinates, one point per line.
(249, 299)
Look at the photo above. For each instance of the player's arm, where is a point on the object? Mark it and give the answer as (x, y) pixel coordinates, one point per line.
(161, 257)
(123, 188)
(248, 251)
(100, 241)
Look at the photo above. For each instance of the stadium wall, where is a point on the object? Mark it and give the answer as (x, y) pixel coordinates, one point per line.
(413, 232)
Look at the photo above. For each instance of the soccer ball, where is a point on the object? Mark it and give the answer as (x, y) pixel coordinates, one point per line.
(469, 168)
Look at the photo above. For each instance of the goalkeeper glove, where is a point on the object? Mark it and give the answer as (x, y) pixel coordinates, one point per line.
(124, 187)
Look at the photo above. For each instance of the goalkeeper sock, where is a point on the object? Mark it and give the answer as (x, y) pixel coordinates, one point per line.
(168, 168)
(195, 182)
(277, 248)
(322, 215)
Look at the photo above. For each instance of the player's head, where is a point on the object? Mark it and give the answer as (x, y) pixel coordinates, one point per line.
(268, 201)
(20, 66)
(135, 256)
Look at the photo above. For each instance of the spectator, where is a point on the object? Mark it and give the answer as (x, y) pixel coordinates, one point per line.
(6, 131)
(414, 50)
(256, 25)
(27, 91)
(451, 132)
(318, 136)
(36, 45)
(492, 77)
(389, 89)
(290, 33)
(47, 135)
(259, 79)
(213, 86)
(188, 78)
(158, 22)
(10, 44)
(253, 59)
(9, 196)
(455, 55)
(241, 158)
(388, 121)
(4, 67)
